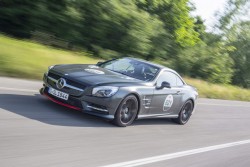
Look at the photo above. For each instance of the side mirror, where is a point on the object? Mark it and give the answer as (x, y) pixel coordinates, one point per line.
(164, 84)
(99, 63)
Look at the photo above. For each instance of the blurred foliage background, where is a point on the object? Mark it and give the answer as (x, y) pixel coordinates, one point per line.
(163, 31)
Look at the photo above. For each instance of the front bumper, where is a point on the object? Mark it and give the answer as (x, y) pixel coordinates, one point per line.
(80, 105)
(101, 107)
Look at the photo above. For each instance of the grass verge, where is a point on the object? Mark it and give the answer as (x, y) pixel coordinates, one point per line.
(217, 91)
(25, 59)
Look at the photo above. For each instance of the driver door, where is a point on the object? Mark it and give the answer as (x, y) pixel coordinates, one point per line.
(166, 100)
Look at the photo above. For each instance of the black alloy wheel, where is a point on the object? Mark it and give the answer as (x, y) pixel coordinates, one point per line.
(127, 111)
(185, 113)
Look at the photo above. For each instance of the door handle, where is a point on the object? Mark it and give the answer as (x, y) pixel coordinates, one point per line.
(178, 92)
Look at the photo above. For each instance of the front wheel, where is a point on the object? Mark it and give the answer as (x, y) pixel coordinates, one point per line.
(185, 113)
(126, 111)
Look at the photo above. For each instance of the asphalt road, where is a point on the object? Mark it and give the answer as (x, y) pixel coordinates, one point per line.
(37, 132)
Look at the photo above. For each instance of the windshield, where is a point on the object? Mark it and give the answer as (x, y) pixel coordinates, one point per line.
(132, 68)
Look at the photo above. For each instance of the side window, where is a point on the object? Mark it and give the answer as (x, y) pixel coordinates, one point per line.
(168, 77)
(179, 81)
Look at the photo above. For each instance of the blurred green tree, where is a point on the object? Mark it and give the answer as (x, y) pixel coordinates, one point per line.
(239, 37)
(119, 25)
(234, 27)
(176, 18)
(15, 17)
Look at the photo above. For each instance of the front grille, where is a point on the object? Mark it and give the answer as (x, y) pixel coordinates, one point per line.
(55, 76)
(72, 88)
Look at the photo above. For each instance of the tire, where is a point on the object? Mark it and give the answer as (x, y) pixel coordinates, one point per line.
(126, 112)
(185, 113)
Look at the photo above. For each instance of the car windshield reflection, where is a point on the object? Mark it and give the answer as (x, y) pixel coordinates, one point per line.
(132, 68)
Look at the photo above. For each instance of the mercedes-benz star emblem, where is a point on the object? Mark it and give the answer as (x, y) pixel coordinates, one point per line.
(60, 83)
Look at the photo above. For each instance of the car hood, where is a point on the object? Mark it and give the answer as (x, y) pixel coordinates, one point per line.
(91, 74)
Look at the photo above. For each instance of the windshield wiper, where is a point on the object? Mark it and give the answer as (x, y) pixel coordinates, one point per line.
(120, 72)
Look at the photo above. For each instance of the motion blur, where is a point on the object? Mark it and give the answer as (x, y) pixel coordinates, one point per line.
(161, 31)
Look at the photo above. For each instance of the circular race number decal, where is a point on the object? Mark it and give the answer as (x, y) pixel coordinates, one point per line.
(94, 71)
(168, 102)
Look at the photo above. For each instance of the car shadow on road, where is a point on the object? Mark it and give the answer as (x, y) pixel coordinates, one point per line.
(39, 108)
(154, 121)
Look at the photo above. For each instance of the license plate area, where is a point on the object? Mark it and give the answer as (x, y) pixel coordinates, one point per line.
(58, 94)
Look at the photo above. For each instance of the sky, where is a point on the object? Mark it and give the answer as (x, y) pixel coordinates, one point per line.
(207, 8)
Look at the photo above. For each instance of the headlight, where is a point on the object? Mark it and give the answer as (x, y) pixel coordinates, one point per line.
(50, 67)
(104, 91)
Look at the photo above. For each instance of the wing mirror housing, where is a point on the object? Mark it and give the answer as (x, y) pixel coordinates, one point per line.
(99, 63)
(164, 84)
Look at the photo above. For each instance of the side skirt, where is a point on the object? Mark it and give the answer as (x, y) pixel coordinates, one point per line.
(156, 116)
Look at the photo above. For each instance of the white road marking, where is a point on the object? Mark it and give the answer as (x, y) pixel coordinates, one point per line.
(227, 105)
(19, 90)
(164, 157)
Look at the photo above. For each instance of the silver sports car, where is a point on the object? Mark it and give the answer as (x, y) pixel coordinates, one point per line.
(121, 90)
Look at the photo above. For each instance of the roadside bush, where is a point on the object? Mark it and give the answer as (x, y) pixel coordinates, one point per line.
(209, 63)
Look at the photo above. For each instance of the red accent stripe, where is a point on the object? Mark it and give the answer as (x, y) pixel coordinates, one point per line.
(61, 103)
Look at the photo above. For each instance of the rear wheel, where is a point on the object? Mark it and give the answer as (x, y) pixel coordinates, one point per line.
(185, 113)
(126, 112)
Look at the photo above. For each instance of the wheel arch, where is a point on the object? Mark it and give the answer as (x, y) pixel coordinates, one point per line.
(139, 102)
(138, 99)
(191, 99)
